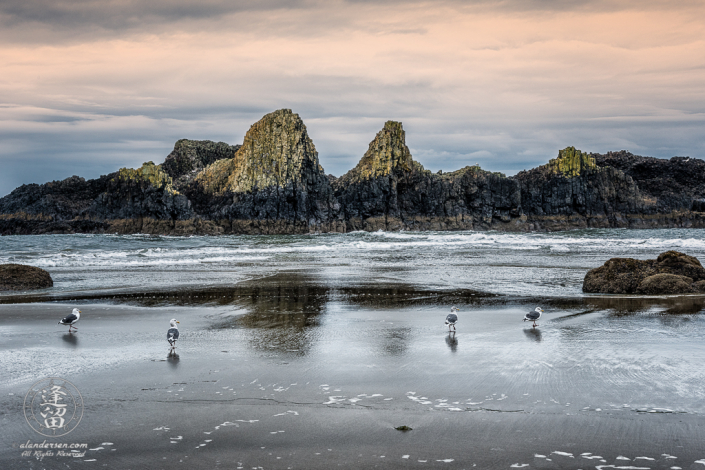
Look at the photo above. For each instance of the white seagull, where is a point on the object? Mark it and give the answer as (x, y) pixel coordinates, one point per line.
(70, 319)
(533, 316)
(173, 333)
(452, 318)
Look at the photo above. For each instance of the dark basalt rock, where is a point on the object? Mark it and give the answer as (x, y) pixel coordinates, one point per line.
(191, 156)
(274, 183)
(145, 192)
(57, 200)
(668, 185)
(660, 284)
(574, 184)
(23, 277)
(671, 273)
(388, 190)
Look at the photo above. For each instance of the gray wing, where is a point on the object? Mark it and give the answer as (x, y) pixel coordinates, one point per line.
(69, 318)
(172, 334)
(533, 315)
(451, 318)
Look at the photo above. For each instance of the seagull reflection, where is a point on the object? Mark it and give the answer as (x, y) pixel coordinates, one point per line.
(173, 359)
(533, 334)
(70, 339)
(452, 341)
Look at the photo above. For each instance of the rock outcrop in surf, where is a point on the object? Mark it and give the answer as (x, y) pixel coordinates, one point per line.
(388, 190)
(671, 273)
(274, 183)
(23, 277)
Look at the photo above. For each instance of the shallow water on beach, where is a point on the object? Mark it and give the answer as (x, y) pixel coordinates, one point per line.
(534, 264)
(305, 380)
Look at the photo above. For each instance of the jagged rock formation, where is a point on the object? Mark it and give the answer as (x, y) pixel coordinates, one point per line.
(274, 183)
(62, 200)
(145, 192)
(189, 157)
(55, 207)
(388, 190)
(668, 185)
(573, 190)
(369, 192)
(23, 277)
(671, 273)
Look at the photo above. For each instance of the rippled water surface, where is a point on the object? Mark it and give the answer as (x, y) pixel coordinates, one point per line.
(543, 264)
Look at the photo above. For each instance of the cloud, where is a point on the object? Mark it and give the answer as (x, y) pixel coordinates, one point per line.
(89, 87)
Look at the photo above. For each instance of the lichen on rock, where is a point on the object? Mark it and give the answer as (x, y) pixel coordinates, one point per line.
(387, 153)
(148, 173)
(571, 162)
(274, 181)
(191, 156)
(276, 151)
(671, 273)
(23, 277)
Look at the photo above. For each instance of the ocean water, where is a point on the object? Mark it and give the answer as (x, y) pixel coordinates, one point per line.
(533, 264)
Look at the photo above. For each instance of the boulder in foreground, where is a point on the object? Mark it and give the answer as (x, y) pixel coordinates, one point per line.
(22, 277)
(671, 273)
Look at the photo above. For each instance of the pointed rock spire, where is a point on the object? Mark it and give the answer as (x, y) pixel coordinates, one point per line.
(276, 152)
(386, 154)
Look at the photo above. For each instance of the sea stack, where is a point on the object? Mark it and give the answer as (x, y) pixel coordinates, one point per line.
(273, 184)
(369, 192)
(189, 157)
(388, 190)
(572, 191)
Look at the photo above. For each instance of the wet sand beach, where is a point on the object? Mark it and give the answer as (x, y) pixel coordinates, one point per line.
(283, 372)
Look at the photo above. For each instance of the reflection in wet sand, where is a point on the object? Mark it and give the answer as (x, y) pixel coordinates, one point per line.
(70, 339)
(533, 334)
(452, 341)
(377, 295)
(280, 317)
(685, 304)
(173, 359)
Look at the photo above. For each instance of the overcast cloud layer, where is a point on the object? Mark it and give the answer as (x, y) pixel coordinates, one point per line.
(88, 86)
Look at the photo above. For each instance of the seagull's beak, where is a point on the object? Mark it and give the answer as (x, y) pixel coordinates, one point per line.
(178, 322)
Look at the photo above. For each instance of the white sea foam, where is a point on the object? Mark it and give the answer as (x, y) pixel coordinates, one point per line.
(506, 263)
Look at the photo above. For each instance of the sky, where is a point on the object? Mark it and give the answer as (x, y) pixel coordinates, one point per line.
(90, 86)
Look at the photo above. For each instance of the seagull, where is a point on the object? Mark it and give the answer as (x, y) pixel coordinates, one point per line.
(533, 316)
(173, 333)
(452, 318)
(70, 319)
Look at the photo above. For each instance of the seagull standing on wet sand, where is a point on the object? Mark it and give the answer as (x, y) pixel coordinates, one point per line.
(533, 316)
(172, 334)
(452, 318)
(71, 318)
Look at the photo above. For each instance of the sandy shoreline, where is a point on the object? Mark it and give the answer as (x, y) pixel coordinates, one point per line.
(276, 380)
